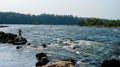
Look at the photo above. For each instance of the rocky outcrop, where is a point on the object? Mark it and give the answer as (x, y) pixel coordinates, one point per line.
(43, 60)
(7, 37)
(11, 38)
(61, 64)
(20, 41)
(39, 56)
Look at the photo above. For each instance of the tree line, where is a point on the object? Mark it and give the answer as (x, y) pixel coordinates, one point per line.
(17, 18)
(99, 22)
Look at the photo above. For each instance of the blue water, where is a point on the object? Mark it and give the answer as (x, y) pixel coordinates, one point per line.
(91, 45)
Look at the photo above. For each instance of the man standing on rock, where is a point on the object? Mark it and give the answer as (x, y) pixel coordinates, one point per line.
(20, 40)
(20, 35)
(20, 31)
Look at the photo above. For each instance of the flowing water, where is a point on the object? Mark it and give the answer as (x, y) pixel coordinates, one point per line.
(89, 46)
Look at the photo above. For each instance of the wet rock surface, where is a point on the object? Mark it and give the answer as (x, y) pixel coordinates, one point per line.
(62, 64)
(20, 41)
(11, 38)
(7, 37)
(43, 61)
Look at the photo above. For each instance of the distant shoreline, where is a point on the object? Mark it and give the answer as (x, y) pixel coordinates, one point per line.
(101, 26)
(3, 26)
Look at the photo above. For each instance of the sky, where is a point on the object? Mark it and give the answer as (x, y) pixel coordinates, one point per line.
(108, 9)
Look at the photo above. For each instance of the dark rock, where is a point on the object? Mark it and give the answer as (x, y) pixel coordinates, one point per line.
(39, 64)
(7, 37)
(111, 63)
(18, 47)
(74, 47)
(42, 59)
(28, 44)
(39, 56)
(43, 62)
(11, 38)
(20, 41)
(1, 33)
(44, 45)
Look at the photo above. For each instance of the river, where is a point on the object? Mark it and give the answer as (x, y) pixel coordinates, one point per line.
(89, 46)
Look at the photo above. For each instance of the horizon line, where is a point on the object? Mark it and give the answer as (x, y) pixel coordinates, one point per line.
(58, 14)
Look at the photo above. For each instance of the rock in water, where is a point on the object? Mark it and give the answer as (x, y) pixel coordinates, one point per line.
(42, 59)
(28, 44)
(43, 62)
(70, 60)
(61, 64)
(11, 38)
(18, 47)
(44, 45)
(20, 41)
(7, 37)
(39, 56)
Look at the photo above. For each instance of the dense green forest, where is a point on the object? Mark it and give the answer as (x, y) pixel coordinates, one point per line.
(99, 22)
(17, 18)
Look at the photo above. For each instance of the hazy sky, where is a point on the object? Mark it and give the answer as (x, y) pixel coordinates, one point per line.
(82, 8)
